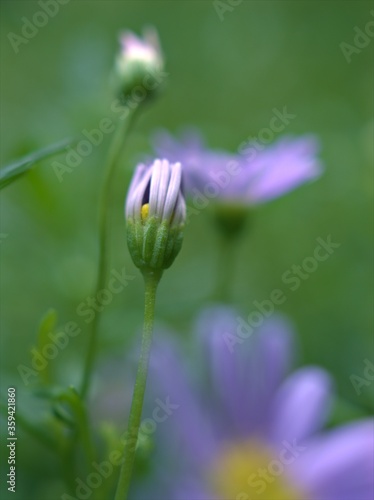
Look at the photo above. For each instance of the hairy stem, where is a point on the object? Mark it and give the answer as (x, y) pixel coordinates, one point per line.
(151, 281)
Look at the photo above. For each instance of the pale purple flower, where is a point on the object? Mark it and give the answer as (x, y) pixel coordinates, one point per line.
(254, 431)
(256, 175)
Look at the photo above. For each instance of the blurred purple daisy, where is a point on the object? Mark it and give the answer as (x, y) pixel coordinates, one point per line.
(255, 432)
(252, 177)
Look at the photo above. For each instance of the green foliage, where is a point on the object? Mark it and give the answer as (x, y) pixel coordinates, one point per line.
(18, 168)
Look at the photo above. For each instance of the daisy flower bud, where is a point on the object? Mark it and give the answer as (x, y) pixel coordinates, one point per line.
(155, 214)
(138, 63)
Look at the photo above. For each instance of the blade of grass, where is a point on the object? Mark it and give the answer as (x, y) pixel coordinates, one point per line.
(19, 167)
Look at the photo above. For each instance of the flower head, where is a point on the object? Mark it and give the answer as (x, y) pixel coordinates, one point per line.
(155, 214)
(254, 176)
(255, 431)
(138, 60)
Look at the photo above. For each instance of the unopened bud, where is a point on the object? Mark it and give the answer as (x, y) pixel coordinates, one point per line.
(155, 214)
(139, 60)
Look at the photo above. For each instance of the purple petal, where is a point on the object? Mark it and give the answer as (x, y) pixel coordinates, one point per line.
(218, 169)
(192, 137)
(245, 372)
(188, 150)
(273, 352)
(301, 405)
(284, 166)
(339, 465)
(189, 430)
(272, 172)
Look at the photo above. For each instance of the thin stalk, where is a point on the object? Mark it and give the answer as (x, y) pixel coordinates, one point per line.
(225, 269)
(113, 156)
(68, 462)
(151, 281)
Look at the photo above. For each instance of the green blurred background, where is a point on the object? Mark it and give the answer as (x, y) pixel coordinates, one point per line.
(225, 77)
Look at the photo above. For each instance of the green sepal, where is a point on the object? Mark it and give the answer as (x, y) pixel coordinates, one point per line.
(134, 242)
(153, 245)
(157, 261)
(174, 245)
(151, 228)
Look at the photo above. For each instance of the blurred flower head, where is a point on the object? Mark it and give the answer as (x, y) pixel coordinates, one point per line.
(249, 178)
(138, 59)
(253, 431)
(155, 214)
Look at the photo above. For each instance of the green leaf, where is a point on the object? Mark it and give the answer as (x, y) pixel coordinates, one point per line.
(47, 326)
(75, 413)
(18, 168)
(63, 415)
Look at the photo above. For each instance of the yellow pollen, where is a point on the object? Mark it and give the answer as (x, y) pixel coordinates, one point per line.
(250, 471)
(144, 212)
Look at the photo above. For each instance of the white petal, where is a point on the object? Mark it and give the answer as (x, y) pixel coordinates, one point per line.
(139, 193)
(155, 186)
(173, 191)
(138, 174)
(179, 212)
(163, 188)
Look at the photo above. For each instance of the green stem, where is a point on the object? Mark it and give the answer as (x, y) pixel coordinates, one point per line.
(68, 462)
(151, 281)
(113, 156)
(230, 219)
(225, 269)
(78, 408)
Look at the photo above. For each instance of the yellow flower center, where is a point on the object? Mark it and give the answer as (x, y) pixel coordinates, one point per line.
(144, 212)
(250, 471)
